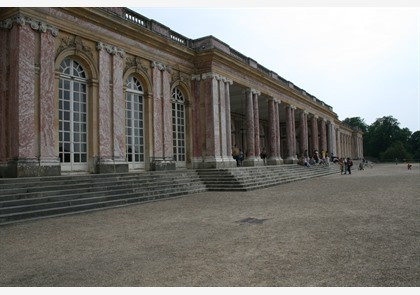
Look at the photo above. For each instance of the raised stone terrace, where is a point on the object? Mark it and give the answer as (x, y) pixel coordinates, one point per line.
(39, 197)
(338, 230)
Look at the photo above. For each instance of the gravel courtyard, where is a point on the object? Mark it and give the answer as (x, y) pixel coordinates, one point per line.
(340, 230)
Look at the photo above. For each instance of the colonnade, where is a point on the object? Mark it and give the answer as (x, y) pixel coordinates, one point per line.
(302, 131)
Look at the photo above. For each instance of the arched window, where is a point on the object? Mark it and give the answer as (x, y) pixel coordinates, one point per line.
(72, 108)
(134, 122)
(178, 125)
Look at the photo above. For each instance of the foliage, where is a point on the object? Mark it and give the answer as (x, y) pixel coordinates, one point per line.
(385, 140)
(356, 122)
(395, 151)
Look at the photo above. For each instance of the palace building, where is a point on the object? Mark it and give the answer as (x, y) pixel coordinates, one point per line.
(106, 90)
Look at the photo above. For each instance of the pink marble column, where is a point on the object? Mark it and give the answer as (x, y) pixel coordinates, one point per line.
(314, 131)
(278, 130)
(168, 151)
(46, 93)
(290, 134)
(222, 112)
(273, 133)
(3, 98)
(228, 121)
(250, 131)
(338, 143)
(22, 93)
(294, 131)
(323, 135)
(197, 140)
(303, 132)
(157, 128)
(105, 107)
(255, 95)
(272, 130)
(212, 117)
(118, 109)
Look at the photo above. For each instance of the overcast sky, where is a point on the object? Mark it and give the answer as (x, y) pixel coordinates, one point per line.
(362, 61)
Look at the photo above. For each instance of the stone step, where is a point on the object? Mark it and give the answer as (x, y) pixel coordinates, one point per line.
(250, 178)
(43, 191)
(93, 205)
(32, 198)
(69, 196)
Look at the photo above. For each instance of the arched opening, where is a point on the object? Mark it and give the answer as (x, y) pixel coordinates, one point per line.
(134, 123)
(178, 127)
(73, 116)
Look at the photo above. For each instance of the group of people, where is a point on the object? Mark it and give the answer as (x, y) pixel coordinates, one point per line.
(238, 155)
(316, 159)
(345, 165)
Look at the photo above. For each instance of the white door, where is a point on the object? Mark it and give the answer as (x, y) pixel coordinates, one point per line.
(72, 130)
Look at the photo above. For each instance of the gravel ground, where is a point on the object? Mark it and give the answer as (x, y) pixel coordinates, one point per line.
(339, 230)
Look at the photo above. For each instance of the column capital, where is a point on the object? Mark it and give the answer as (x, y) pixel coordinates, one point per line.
(195, 77)
(160, 66)
(227, 80)
(211, 75)
(113, 50)
(36, 25)
(254, 91)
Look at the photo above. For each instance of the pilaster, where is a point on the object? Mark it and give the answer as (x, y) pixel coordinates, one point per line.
(111, 113)
(290, 135)
(162, 123)
(323, 135)
(303, 131)
(212, 142)
(314, 133)
(273, 133)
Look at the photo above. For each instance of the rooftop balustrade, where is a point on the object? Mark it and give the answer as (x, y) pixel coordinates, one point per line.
(206, 43)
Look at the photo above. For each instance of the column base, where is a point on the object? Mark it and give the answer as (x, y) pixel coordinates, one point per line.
(275, 161)
(291, 160)
(252, 162)
(160, 164)
(111, 166)
(31, 167)
(213, 163)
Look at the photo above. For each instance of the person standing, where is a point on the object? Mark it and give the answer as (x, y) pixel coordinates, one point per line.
(235, 154)
(263, 156)
(349, 165)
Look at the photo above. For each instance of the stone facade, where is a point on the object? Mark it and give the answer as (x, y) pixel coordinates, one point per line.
(103, 90)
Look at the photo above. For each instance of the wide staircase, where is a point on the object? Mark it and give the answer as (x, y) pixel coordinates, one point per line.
(31, 198)
(251, 178)
(38, 197)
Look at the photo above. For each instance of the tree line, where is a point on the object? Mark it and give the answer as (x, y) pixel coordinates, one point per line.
(385, 141)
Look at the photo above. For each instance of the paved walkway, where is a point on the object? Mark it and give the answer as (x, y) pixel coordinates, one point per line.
(340, 230)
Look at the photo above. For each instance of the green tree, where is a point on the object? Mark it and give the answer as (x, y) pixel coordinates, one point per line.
(382, 133)
(396, 150)
(414, 144)
(356, 122)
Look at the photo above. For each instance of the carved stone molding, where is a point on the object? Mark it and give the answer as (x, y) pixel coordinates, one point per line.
(36, 25)
(135, 62)
(195, 77)
(113, 50)
(211, 75)
(74, 43)
(252, 91)
(178, 76)
(160, 66)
